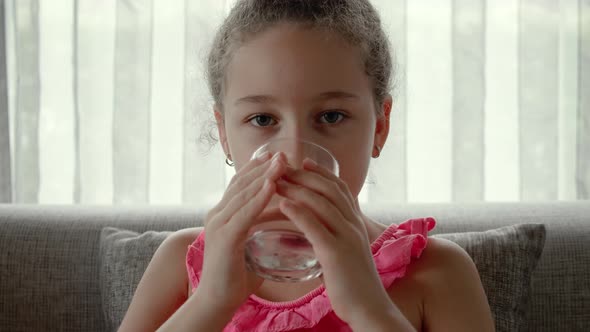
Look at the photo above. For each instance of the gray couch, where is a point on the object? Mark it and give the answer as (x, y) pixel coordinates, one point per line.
(49, 263)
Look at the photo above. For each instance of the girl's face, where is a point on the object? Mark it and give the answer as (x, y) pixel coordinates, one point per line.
(304, 83)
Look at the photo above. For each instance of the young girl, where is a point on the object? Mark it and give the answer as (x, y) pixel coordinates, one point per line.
(317, 70)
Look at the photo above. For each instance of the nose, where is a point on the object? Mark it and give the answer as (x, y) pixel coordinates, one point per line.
(293, 138)
(293, 147)
(295, 127)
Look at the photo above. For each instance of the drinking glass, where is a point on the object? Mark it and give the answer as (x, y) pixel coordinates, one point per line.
(277, 250)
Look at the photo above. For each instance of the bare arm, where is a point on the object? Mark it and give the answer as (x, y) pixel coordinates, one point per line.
(160, 300)
(456, 300)
(163, 287)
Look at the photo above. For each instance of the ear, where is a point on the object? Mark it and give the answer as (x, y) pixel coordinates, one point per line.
(219, 120)
(382, 124)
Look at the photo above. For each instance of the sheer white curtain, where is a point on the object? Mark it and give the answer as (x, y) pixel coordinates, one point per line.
(104, 102)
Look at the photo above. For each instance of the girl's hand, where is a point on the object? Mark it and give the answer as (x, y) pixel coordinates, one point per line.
(322, 207)
(225, 280)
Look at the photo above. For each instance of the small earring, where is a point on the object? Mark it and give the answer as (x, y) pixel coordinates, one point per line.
(378, 151)
(228, 161)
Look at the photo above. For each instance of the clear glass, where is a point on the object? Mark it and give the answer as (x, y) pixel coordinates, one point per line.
(277, 250)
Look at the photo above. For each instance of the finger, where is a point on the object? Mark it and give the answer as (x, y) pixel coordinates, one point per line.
(252, 164)
(240, 181)
(262, 162)
(238, 202)
(323, 209)
(328, 188)
(314, 231)
(230, 205)
(311, 165)
(246, 217)
(251, 171)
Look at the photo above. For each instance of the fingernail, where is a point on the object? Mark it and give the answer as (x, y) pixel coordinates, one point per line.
(275, 163)
(264, 156)
(311, 162)
(277, 155)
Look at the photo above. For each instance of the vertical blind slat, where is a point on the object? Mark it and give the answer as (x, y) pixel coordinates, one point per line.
(26, 145)
(11, 70)
(166, 102)
(501, 103)
(75, 64)
(583, 165)
(538, 99)
(203, 170)
(95, 48)
(468, 99)
(386, 181)
(568, 97)
(131, 118)
(56, 120)
(5, 169)
(429, 100)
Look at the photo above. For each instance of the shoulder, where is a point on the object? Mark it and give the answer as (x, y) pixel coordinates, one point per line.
(174, 247)
(168, 262)
(443, 274)
(442, 256)
(171, 254)
(446, 274)
(181, 239)
(443, 263)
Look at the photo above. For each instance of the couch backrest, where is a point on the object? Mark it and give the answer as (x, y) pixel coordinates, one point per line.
(49, 257)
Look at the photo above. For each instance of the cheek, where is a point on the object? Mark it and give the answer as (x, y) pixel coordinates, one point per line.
(354, 168)
(241, 148)
(244, 153)
(242, 141)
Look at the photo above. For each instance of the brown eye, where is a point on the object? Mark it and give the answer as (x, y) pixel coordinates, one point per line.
(262, 120)
(332, 117)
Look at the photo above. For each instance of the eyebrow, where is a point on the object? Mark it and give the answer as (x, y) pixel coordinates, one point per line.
(256, 99)
(266, 99)
(336, 95)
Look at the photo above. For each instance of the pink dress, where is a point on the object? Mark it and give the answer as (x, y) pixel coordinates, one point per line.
(392, 252)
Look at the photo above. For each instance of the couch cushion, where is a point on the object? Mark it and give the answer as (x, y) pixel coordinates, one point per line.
(560, 298)
(505, 258)
(124, 256)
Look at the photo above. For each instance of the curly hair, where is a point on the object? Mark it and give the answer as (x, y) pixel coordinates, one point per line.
(356, 21)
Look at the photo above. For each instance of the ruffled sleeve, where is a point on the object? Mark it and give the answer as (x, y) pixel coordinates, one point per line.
(394, 250)
(194, 260)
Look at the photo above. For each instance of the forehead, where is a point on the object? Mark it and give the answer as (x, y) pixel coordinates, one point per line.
(289, 61)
